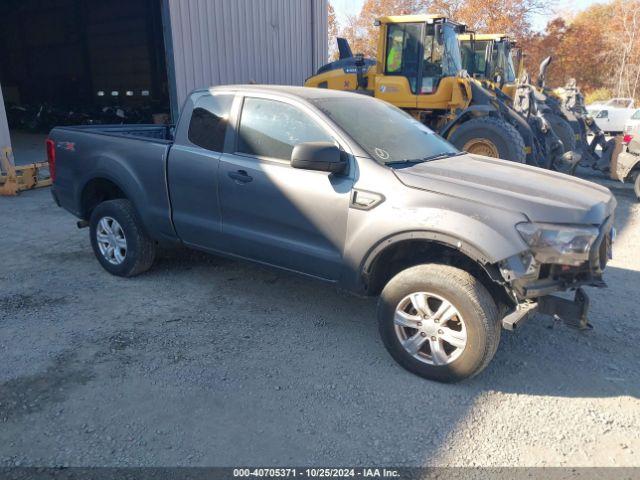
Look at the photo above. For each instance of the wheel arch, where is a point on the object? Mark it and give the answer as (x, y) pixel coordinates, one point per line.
(99, 189)
(401, 251)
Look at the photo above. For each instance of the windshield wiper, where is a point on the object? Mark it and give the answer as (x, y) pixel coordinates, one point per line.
(438, 156)
(401, 163)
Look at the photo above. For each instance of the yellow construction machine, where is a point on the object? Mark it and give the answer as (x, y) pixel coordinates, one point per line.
(419, 69)
(14, 179)
(495, 60)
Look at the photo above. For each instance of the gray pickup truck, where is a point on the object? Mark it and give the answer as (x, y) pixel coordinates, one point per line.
(351, 190)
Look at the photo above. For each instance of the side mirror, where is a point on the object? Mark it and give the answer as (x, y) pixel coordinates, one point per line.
(321, 156)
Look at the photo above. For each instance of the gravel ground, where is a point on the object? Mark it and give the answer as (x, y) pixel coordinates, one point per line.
(208, 361)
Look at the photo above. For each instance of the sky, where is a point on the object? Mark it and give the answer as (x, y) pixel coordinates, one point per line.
(343, 8)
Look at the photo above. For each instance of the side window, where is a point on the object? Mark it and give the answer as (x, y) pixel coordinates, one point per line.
(269, 128)
(603, 114)
(209, 121)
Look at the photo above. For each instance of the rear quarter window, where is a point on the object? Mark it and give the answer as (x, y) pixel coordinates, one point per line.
(208, 123)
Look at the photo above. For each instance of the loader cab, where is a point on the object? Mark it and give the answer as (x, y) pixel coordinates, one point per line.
(417, 55)
(493, 58)
(421, 52)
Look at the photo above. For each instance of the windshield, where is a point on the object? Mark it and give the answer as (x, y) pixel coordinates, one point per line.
(473, 54)
(385, 132)
(636, 115)
(503, 62)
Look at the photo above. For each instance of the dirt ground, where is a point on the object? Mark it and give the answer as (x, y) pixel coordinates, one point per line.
(208, 361)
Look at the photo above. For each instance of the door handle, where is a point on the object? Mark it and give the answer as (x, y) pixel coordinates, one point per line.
(241, 176)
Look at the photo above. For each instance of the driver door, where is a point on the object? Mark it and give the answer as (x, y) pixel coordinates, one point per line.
(274, 213)
(399, 85)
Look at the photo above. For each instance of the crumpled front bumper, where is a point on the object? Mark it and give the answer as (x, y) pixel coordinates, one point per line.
(571, 312)
(534, 293)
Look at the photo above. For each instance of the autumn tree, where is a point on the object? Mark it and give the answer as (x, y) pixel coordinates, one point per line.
(599, 47)
(360, 29)
(333, 29)
(512, 17)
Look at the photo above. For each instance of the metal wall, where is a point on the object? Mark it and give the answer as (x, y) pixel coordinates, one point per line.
(215, 42)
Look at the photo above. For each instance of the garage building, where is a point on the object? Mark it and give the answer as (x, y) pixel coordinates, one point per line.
(135, 61)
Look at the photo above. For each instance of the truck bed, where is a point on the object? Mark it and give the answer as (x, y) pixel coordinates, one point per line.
(148, 132)
(131, 157)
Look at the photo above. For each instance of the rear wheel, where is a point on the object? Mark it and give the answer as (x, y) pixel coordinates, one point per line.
(119, 242)
(491, 137)
(438, 322)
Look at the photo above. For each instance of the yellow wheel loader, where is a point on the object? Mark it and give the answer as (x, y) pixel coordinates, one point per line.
(496, 61)
(419, 69)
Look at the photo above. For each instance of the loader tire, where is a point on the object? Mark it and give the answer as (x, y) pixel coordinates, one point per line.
(563, 130)
(491, 137)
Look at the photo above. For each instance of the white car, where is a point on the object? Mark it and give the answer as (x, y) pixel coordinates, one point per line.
(612, 116)
(632, 127)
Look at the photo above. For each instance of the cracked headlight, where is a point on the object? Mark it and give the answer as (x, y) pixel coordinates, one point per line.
(556, 243)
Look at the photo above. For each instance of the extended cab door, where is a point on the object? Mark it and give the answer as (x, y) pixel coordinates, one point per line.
(192, 169)
(272, 212)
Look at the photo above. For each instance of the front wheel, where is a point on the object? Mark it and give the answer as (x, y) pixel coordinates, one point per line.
(491, 137)
(636, 185)
(438, 322)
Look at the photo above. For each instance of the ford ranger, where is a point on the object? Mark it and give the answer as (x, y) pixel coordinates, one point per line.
(351, 190)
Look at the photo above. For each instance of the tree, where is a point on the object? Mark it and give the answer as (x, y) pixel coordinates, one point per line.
(512, 17)
(599, 47)
(333, 30)
(360, 29)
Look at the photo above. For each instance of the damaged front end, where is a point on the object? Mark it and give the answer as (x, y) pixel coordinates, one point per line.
(561, 258)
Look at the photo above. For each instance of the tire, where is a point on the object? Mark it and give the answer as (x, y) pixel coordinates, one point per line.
(477, 316)
(636, 185)
(492, 136)
(564, 131)
(121, 218)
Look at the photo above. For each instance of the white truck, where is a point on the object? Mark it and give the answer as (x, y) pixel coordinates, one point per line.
(612, 115)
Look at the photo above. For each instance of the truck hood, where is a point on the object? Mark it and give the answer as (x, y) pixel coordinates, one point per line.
(541, 195)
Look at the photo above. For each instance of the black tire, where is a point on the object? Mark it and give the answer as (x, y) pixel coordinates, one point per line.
(563, 130)
(636, 185)
(467, 295)
(504, 137)
(140, 249)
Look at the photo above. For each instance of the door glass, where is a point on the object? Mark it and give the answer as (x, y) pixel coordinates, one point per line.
(403, 48)
(209, 121)
(442, 57)
(269, 128)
